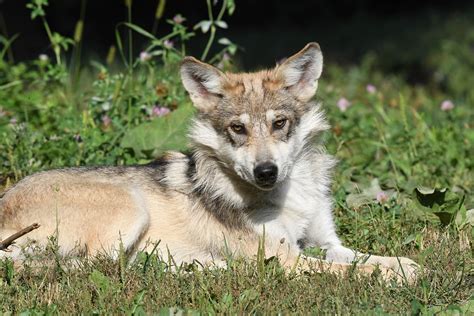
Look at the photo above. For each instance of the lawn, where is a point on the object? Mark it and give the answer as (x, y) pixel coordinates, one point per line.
(404, 183)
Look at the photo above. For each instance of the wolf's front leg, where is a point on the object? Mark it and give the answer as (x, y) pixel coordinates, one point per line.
(322, 233)
(405, 268)
(293, 260)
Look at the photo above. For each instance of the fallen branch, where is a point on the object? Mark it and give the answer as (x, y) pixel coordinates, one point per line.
(4, 244)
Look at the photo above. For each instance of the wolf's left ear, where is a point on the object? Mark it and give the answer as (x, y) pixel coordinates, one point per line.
(203, 82)
(301, 72)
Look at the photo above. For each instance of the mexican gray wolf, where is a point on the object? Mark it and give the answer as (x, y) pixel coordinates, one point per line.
(256, 163)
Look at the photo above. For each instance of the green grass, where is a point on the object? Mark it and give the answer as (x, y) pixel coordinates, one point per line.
(396, 140)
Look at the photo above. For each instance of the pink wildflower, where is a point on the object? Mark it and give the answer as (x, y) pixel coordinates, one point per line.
(106, 120)
(178, 19)
(144, 57)
(77, 138)
(382, 197)
(447, 105)
(159, 111)
(168, 44)
(371, 88)
(343, 104)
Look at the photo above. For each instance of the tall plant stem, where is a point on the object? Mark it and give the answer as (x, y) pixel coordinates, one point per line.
(213, 27)
(56, 50)
(76, 61)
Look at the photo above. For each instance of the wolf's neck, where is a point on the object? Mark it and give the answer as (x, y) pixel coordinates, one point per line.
(219, 190)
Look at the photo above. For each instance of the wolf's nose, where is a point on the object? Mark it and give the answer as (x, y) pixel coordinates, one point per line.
(266, 174)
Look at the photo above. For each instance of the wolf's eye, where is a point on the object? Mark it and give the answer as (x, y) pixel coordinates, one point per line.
(238, 128)
(279, 124)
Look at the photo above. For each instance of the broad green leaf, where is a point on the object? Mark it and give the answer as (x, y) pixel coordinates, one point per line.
(429, 197)
(470, 217)
(161, 134)
(100, 280)
(441, 202)
(465, 217)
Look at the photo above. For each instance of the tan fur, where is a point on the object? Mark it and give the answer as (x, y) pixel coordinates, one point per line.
(195, 206)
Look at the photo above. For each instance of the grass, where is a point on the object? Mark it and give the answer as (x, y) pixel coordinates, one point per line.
(404, 186)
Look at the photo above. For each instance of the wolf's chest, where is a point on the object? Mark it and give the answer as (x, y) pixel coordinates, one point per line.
(293, 211)
(289, 226)
(288, 218)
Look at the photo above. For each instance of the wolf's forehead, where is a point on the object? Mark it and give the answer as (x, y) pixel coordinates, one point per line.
(253, 92)
(255, 84)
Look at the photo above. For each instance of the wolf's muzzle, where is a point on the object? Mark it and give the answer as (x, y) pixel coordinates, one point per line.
(266, 174)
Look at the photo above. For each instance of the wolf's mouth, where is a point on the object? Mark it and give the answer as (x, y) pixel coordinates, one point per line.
(265, 187)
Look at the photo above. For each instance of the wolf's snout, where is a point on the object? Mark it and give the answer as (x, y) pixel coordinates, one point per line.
(266, 174)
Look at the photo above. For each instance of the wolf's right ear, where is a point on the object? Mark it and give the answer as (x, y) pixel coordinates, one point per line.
(301, 72)
(203, 82)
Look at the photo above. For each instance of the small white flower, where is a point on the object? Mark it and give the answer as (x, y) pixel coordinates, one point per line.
(106, 106)
(43, 57)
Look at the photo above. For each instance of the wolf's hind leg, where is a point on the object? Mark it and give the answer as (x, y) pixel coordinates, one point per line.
(80, 215)
(125, 230)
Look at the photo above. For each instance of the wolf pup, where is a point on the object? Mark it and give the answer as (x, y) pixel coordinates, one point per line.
(254, 167)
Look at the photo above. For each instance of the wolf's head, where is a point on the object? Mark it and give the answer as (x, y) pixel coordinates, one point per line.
(256, 124)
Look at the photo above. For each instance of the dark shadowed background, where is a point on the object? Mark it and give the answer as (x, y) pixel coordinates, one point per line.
(400, 33)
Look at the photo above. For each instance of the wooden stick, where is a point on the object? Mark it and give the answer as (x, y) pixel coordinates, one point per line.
(4, 244)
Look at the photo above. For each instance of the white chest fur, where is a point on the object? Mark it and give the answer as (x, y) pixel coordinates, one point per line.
(293, 208)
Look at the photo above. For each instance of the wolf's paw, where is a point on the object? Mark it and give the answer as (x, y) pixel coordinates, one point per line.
(402, 269)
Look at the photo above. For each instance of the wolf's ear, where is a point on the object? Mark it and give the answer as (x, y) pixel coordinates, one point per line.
(300, 72)
(203, 82)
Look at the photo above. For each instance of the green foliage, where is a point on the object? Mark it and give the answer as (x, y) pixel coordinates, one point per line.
(160, 135)
(441, 202)
(37, 8)
(59, 42)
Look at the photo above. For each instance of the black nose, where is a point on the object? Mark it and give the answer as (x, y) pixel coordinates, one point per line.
(266, 174)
